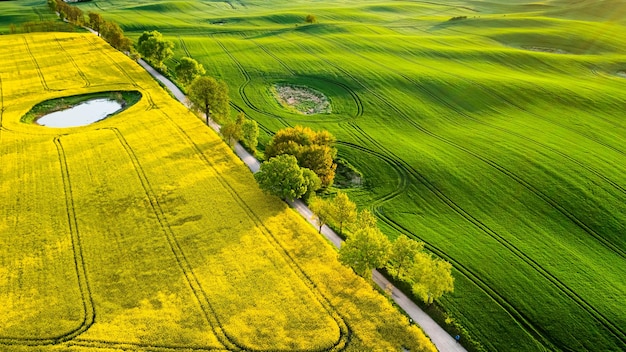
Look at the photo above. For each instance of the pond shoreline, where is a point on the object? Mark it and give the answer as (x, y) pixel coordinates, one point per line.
(125, 99)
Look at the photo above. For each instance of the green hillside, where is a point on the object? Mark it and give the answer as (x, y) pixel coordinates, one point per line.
(497, 138)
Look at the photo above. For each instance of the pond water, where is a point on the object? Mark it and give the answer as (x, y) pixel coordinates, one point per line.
(80, 115)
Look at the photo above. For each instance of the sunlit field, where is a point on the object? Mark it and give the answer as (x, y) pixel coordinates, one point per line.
(498, 138)
(144, 232)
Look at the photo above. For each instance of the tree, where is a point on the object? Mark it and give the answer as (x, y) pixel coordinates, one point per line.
(52, 4)
(281, 176)
(403, 252)
(113, 34)
(75, 15)
(320, 158)
(311, 181)
(365, 219)
(250, 135)
(431, 277)
(154, 48)
(322, 209)
(95, 21)
(187, 70)
(366, 249)
(310, 19)
(231, 132)
(314, 150)
(345, 210)
(209, 97)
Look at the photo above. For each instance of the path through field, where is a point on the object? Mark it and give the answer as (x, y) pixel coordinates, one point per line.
(438, 335)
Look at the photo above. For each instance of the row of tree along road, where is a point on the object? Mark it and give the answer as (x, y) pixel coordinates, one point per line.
(299, 162)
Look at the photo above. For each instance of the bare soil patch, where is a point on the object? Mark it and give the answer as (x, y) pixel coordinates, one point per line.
(544, 49)
(300, 99)
(621, 74)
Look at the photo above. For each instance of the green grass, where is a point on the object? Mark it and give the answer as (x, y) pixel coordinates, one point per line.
(18, 12)
(508, 162)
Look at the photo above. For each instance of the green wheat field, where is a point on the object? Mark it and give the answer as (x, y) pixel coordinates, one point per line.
(498, 138)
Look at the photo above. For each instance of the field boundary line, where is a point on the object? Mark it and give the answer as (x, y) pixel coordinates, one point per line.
(345, 330)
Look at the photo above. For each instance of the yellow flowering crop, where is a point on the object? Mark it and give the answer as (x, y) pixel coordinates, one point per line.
(144, 232)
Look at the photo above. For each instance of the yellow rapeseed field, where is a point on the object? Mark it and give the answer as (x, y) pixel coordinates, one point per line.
(144, 232)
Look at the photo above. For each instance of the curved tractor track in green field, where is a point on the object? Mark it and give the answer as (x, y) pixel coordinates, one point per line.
(522, 151)
(358, 104)
(406, 173)
(617, 331)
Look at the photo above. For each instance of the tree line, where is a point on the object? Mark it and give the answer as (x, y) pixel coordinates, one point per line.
(299, 161)
(367, 248)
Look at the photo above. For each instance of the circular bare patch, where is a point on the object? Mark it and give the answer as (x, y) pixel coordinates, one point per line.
(300, 99)
(543, 49)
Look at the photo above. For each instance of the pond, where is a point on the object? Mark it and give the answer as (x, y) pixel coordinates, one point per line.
(83, 114)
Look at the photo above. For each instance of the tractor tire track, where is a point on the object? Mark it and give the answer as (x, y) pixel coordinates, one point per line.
(179, 255)
(355, 97)
(38, 13)
(598, 316)
(242, 87)
(538, 116)
(133, 346)
(89, 312)
(345, 330)
(115, 63)
(184, 47)
(42, 79)
(607, 244)
(503, 98)
(71, 59)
